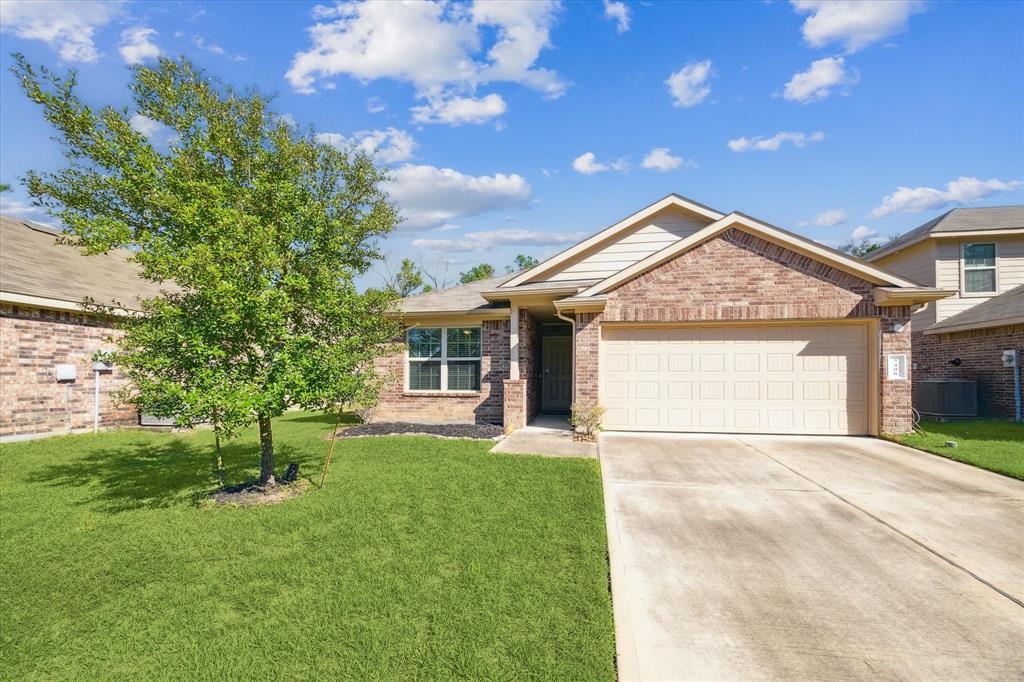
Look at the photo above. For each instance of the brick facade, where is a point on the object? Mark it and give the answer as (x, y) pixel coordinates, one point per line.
(33, 342)
(483, 407)
(738, 276)
(530, 360)
(515, 404)
(980, 352)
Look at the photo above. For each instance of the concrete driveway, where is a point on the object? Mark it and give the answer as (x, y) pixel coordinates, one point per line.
(765, 557)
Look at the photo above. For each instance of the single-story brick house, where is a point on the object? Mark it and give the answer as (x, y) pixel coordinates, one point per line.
(47, 342)
(676, 318)
(978, 255)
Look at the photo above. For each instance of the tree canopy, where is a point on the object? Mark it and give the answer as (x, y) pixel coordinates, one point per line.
(477, 272)
(522, 262)
(406, 280)
(255, 229)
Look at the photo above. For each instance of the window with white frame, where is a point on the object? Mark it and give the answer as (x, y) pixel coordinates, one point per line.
(979, 268)
(443, 358)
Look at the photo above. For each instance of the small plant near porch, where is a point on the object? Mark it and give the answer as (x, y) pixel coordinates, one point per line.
(257, 230)
(585, 419)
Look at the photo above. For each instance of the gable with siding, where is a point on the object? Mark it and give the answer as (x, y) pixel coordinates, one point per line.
(619, 251)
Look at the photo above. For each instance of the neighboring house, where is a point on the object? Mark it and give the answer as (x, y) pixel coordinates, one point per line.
(45, 333)
(978, 255)
(677, 318)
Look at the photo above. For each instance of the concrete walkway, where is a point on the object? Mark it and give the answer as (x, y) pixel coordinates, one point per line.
(760, 557)
(546, 435)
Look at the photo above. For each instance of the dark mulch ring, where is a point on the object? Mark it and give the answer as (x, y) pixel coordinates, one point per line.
(252, 494)
(478, 431)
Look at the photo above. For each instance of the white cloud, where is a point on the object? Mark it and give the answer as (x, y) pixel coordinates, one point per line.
(491, 239)
(155, 131)
(429, 196)
(201, 43)
(661, 158)
(136, 46)
(375, 105)
(774, 143)
(14, 207)
(67, 27)
(688, 86)
(587, 164)
(387, 146)
(836, 216)
(459, 110)
(863, 232)
(960, 191)
(619, 13)
(854, 23)
(817, 82)
(438, 47)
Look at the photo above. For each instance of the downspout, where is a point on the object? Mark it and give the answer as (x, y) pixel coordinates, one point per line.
(96, 403)
(572, 321)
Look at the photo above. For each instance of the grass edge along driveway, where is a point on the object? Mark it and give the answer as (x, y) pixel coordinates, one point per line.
(422, 558)
(986, 443)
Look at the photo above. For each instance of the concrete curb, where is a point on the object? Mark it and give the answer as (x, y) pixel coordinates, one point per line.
(627, 662)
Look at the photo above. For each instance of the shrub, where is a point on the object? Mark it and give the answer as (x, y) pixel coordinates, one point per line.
(586, 420)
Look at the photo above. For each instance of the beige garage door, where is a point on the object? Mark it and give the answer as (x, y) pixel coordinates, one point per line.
(737, 379)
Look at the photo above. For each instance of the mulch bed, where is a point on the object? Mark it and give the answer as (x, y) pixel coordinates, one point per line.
(478, 431)
(252, 494)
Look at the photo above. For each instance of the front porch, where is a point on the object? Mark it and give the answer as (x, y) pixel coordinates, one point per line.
(540, 382)
(547, 434)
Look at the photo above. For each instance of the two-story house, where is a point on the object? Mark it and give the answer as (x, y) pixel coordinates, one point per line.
(978, 253)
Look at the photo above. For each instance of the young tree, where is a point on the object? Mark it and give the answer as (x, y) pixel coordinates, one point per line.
(256, 230)
(477, 272)
(406, 280)
(522, 262)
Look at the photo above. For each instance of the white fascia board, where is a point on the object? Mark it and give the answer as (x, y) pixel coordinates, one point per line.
(624, 224)
(797, 243)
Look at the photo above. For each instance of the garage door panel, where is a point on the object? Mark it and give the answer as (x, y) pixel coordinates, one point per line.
(772, 379)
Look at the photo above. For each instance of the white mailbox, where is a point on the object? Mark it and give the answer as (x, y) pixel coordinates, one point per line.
(66, 373)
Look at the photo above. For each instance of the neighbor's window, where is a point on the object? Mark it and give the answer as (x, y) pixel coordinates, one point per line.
(979, 268)
(444, 358)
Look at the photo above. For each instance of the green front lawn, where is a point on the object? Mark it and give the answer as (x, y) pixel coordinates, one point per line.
(422, 558)
(987, 443)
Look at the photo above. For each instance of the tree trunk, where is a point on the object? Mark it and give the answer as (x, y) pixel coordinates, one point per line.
(266, 451)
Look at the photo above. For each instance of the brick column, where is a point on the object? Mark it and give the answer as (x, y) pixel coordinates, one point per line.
(896, 394)
(515, 404)
(585, 357)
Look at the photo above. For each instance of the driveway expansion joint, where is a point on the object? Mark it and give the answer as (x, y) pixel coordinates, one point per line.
(888, 525)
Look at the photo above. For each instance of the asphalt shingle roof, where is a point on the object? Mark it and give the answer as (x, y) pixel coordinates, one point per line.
(958, 220)
(33, 263)
(1005, 306)
(460, 298)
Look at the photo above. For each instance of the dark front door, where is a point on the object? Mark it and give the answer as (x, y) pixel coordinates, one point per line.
(556, 363)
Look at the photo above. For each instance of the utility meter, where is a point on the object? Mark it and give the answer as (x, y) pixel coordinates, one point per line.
(1010, 358)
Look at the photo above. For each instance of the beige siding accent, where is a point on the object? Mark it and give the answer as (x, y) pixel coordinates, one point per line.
(650, 235)
(918, 264)
(1009, 271)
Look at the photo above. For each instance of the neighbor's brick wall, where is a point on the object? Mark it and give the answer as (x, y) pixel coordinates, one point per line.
(32, 343)
(483, 407)
(529, 360)
(738, 276)
(980, 352)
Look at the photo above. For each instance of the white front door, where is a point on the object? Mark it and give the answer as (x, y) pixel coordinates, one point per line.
(799, 378)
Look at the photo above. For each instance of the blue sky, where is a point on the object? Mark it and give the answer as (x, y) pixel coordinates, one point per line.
(522, 127)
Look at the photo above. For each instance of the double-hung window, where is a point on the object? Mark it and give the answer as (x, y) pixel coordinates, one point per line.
(979, 268)
(443, 358)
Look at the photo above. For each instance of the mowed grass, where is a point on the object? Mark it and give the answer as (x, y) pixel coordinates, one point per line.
(987, 443)
(421, 559)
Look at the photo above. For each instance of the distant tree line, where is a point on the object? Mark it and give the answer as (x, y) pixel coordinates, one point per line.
(409, 278)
